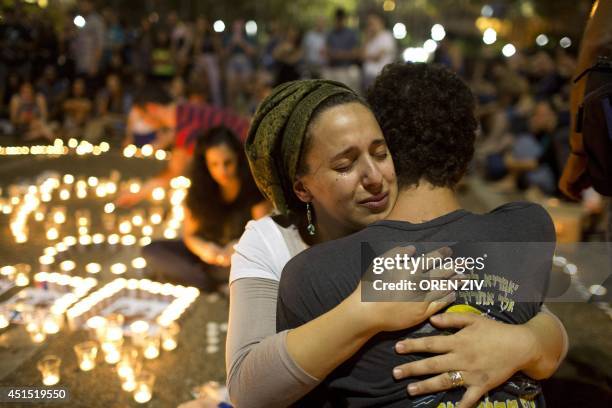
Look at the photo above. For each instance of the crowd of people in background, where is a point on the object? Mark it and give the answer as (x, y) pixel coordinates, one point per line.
(105, 79)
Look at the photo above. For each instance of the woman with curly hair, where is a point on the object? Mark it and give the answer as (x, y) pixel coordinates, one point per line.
(222, 198)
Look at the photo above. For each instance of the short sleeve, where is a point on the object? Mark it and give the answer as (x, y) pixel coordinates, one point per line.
(261, 252)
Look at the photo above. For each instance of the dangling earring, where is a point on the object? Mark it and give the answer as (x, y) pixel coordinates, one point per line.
(310, 228)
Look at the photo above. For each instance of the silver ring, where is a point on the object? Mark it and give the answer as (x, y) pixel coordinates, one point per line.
(456, 378)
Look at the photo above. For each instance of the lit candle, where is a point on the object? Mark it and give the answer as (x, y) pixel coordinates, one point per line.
(170, 233)
(101, 191)
(118, 268)
(129, 151)
(59, 216)
(3, 321)
(139, 263)
(114, 327)
(22, 280)
(129, 366)
(169, 338)
(147, 230)
(86, 355)
(92, 181)
(160, 154)
(151, 347)
(158, 193)
(125, 226)
(146, 150)
(52, 234)
(134, 187)
(138, 330)
(144, 387)
(98, 324)
(52, 323)
(128, 240)
(64, 194)
(93, 267)
(67, 266)
(129, 384)
(112, 350)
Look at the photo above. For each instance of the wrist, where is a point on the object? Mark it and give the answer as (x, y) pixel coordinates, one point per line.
(532, 350)
(360, 315)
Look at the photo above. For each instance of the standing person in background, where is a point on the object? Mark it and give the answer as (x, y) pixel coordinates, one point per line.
(597, 41)
(115, 37)
(288, 55)
(180, 41)
(342, 51)
(162, 62)
(379, 50)
(314, 49)
(89, 42)
(239, 50)
(143, 47)
(222, 198)
(206, 51)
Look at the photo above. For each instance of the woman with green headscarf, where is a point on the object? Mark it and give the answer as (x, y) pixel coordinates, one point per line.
(317, 152)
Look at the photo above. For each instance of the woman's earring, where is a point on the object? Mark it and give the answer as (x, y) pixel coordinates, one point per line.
(310, 228)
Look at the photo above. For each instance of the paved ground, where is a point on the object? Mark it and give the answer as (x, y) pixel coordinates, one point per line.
(584, 380)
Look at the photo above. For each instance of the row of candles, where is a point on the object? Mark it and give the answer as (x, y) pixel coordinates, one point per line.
(183, 296)
(58, 148)
(29, 202)
(82, 148)
(41, 322)
(145, 151)
(145, 343)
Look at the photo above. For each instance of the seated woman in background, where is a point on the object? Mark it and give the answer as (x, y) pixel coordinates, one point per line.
(221, 200)
(28, 112)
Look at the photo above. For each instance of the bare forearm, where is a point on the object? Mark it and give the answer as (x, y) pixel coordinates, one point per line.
(342, 331)
(550, 345)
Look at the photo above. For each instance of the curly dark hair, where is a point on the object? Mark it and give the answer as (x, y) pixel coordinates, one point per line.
(426, 113)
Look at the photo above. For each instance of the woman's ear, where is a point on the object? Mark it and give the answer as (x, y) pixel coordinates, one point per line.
(301, 191)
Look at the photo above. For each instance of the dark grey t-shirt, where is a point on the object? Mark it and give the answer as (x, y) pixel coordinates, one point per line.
(319, 278)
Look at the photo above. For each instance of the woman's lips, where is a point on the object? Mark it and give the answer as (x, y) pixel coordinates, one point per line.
(377, 202)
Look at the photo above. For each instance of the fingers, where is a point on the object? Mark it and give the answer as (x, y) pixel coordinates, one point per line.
(441, 382)
(431, 344)
(454, 320)
(432, 365)
(471, 397)
(443, 296)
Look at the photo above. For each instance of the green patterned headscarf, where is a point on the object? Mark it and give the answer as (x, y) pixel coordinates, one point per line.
(276, 137)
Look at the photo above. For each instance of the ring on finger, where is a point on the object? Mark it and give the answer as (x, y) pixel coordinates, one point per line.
(456, 378)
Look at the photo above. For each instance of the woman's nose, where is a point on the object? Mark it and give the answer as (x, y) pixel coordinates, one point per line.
(372, 177)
